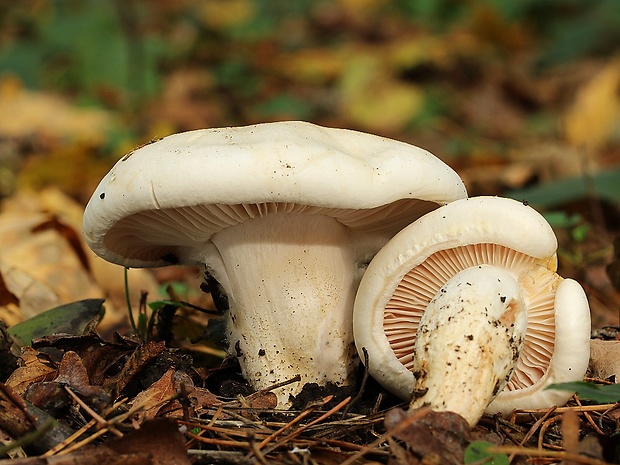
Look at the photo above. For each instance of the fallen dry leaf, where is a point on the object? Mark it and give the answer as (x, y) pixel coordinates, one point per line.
(160, 394)
(596, 110)
(605, 359)
(45, 261)
(32, 369)
(143, 354)
(570, 434)
(24, 113)
(159, 438)
(440, 437)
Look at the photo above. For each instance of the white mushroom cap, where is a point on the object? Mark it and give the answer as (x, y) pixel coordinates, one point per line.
(411, 268)
(568, 362)
(163, 201)
(284, 215)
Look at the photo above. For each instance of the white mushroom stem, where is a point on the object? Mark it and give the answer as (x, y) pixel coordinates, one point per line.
(291, 282)
(469, 341)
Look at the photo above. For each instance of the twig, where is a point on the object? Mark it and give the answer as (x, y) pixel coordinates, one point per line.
(28, 438)
(543, 429)
(313, 422)
(408, 421)
(83, 442)
(61, 445)
(534, 427)
(290, 424)
(217, 456)
(220, 442)
(589, 418)
(583, 408)
(102, 421)
(256, 450)
(360, 392)
(546, 453)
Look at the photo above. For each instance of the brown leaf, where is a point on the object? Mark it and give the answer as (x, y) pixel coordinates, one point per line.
(152, 397)
(262, 400)
(439, 437)
(87, 456)
(136, 363)
(69, 234)
(605, 359)
(6, 296)
(14, 419)
(204, 399)
(72, 373)
(570, 434)
(52, 396)
(32, 369)
(159, 438)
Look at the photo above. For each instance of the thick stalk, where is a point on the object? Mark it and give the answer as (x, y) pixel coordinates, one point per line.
(290, 280)
(469, 341)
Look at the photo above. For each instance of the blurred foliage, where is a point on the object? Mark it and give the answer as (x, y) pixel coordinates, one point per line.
(519, 96)
(307, 59)
(590, 391)
(85, 48)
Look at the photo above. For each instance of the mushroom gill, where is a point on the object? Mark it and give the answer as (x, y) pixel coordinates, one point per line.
(418, 287)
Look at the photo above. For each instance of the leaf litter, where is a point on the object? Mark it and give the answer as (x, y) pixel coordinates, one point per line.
(147, 403)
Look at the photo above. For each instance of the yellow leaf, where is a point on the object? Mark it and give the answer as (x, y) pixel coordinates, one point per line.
(222, 14)
(24, 113)
(596, 110)
(43, 266)
(374, 100)
(316, 66)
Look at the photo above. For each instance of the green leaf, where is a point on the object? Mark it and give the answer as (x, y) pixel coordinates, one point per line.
(561, 219)
(157, 304)
(606, 184)
(71, 318)
(590, 391)
(477, 452)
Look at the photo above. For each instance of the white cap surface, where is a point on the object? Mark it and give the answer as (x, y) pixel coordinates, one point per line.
(161, 201)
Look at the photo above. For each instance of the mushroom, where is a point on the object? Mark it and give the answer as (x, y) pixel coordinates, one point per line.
(457, 279)
(284, 216)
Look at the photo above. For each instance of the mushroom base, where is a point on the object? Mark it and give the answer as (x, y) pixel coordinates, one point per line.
(291, 281)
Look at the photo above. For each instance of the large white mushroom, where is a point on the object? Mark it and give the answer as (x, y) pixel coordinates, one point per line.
(285, 216)
(439, 310)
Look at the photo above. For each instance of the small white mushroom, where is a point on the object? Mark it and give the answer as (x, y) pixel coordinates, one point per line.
(412, 268)
(284, 216)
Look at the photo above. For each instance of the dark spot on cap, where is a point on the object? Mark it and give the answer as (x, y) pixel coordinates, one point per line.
(102, 195)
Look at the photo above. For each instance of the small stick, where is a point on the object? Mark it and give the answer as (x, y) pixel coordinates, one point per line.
(362, 386)
(546, 453)
(61, 445)
(102, 421)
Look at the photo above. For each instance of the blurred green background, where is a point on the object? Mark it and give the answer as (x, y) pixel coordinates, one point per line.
(521, 97)
(472, 81)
